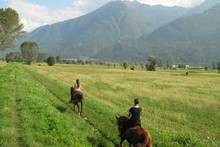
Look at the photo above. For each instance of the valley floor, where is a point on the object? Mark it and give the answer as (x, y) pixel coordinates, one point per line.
(178, 110)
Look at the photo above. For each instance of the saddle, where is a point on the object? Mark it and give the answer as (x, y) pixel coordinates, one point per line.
(135, 127)
(76, 95)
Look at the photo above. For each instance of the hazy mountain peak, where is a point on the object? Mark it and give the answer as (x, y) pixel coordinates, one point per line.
(191, 39)
(115, 22)
(203, 6)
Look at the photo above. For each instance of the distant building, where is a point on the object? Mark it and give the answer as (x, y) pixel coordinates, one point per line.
(183, 66)
(187, 67)
(69, 59)
(175, 66)
(197, 67)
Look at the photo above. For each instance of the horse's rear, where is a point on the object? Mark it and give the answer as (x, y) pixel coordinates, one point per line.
(78, 98)
(148, 138)
(137, 136)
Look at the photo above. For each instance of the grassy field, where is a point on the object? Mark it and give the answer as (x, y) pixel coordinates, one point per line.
(2, 64)
(178, 110)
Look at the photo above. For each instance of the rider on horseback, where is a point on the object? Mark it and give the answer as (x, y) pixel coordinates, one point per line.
(77, 86)
(74, 89)
(130, 128)
(134, 114)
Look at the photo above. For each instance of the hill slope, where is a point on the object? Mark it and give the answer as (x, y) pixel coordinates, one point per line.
(207, 4)
(115, 22)
(191, 39)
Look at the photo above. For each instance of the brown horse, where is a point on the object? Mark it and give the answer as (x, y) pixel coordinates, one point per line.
(76, 98)
(136, 136)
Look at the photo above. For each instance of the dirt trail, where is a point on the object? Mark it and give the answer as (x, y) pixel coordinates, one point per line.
(17, 140)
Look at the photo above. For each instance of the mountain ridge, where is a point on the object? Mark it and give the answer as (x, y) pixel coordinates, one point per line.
(117, 21)
(190, 39)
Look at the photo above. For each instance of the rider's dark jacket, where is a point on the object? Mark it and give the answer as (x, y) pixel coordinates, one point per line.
(135, 116)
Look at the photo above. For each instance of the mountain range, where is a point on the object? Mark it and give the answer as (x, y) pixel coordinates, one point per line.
(124, 30)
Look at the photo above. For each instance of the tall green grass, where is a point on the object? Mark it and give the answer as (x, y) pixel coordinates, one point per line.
(7, 129)
(2, 64)
(43, 118)
(178, 110)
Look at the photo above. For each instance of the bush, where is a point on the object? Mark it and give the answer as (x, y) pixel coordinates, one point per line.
(206, 68)
(132, 67)
(51, 61)
(150, 67)
(142, 66)
(13, 57)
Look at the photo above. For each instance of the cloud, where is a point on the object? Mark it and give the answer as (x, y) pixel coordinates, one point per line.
(34, 15)
(183, 3)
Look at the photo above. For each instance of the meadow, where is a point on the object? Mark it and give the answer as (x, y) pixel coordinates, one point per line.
(2, 64)
(178, 110)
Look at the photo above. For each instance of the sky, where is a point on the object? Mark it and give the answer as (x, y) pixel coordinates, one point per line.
(35, 13)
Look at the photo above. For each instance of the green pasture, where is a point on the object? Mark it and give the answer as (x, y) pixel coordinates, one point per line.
(178, 110)
(2, 64)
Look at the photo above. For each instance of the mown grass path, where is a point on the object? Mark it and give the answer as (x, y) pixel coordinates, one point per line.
(2, 64)
(15, 115)
(9, 122)
(36, 117)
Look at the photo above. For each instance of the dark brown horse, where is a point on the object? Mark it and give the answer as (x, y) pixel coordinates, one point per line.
(136, 136)
(76, 99)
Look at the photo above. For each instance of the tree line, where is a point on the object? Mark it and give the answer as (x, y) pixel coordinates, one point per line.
(11, 29)
(29, 53)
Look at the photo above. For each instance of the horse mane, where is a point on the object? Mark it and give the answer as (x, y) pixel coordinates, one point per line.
(122, 120)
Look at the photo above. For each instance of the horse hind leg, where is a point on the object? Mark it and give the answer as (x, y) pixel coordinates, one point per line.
(78, 108)
(81, 107)
(74, 107)
(121, 142)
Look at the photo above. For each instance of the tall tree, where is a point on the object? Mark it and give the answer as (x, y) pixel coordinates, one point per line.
(29, 51)
(218, 66)
(10, 28)
(152, 61)
(125, 65)
(58, 59)
(168, 65)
